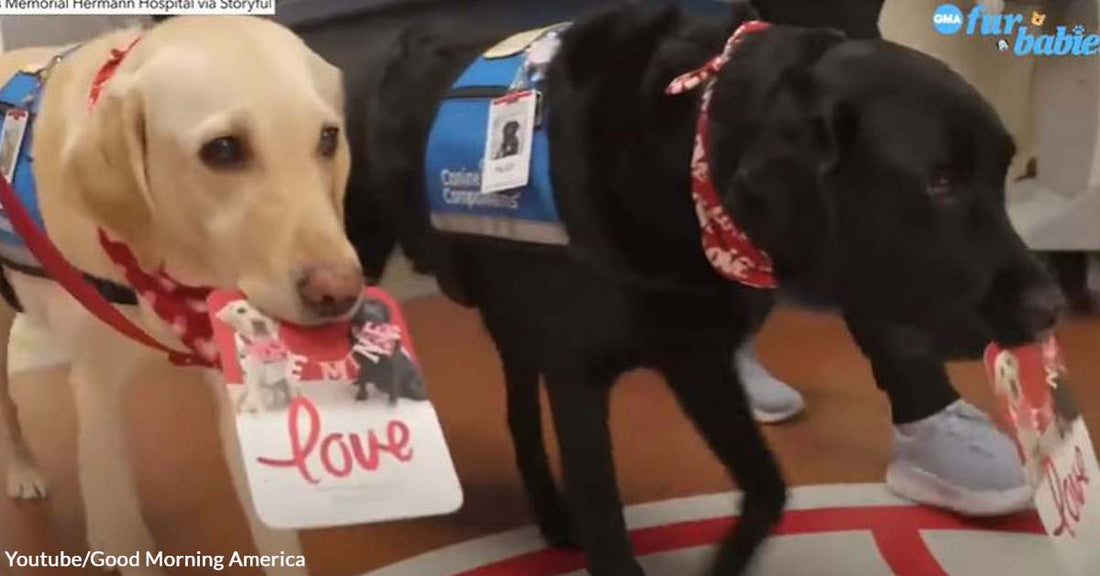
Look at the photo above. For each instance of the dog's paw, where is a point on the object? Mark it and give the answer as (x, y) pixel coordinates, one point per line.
(561, 539)
(558, 531)
(26, 483)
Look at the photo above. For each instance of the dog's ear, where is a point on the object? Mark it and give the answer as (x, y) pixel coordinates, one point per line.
(778, 129)
(328, 80)
(107, 164)
(225, 314)
(803, 134)
(375, 310)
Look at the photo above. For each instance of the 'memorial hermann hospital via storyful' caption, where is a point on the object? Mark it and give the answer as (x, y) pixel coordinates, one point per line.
(214, 562)
(135, 7)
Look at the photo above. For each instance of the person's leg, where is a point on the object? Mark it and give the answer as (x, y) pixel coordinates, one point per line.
(771, 399)
(945, 452)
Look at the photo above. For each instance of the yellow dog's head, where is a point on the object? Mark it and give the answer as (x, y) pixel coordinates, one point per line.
(217, 150)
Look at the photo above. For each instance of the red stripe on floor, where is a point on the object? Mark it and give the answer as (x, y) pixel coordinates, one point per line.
(896, 531)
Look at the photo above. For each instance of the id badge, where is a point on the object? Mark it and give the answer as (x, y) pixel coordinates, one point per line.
(11, 140)
(507, 158)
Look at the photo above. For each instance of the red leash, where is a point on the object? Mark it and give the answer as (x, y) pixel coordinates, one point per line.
(72, 280)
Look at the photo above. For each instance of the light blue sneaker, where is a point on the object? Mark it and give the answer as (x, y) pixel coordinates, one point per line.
(958, 460)
(772, 400)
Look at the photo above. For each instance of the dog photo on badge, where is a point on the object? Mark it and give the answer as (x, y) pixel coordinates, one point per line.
(509, 142)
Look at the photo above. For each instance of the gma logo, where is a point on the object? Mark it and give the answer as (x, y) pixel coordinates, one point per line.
(950, 18)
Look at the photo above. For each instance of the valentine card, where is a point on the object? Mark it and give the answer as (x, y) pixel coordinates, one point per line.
(335, 423)
(1032, 387)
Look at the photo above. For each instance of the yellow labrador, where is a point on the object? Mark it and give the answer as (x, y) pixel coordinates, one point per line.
(215, 150)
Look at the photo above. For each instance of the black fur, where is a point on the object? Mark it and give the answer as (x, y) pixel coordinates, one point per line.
(823, 149)
(395, 374)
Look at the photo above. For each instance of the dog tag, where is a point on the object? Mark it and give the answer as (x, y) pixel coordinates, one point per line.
(511, 127)
(11, 140)
(334, 421)
(1033, 395)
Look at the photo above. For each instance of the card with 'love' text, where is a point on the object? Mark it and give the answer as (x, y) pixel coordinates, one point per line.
(1032, 387)
(334, 421)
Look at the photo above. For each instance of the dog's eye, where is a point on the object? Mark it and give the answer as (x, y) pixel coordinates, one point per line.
(224, 152)
(330, 141)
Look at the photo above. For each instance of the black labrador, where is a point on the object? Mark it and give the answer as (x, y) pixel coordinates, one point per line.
(392, 372)
(870, 173)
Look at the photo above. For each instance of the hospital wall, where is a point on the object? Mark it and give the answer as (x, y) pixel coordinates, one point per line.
(1051, 105)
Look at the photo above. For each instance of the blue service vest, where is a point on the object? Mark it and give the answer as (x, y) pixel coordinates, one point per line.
(23, 92)
(20, 93)
(456, 150)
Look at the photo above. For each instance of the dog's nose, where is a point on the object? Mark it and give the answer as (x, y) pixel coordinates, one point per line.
(1042, 307)
(330, 290)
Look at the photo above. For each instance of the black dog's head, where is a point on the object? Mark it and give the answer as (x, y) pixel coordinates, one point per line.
(874, 176)
(510, 129)
(370, 310)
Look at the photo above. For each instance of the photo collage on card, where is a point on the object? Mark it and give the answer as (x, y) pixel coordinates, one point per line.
(1034, 397)
(366, 358)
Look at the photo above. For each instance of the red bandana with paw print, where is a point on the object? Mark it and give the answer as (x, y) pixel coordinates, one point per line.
(728, 249)
(181, 307)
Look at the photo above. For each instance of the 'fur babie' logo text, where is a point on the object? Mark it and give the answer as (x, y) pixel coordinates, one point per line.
(1014, 31)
